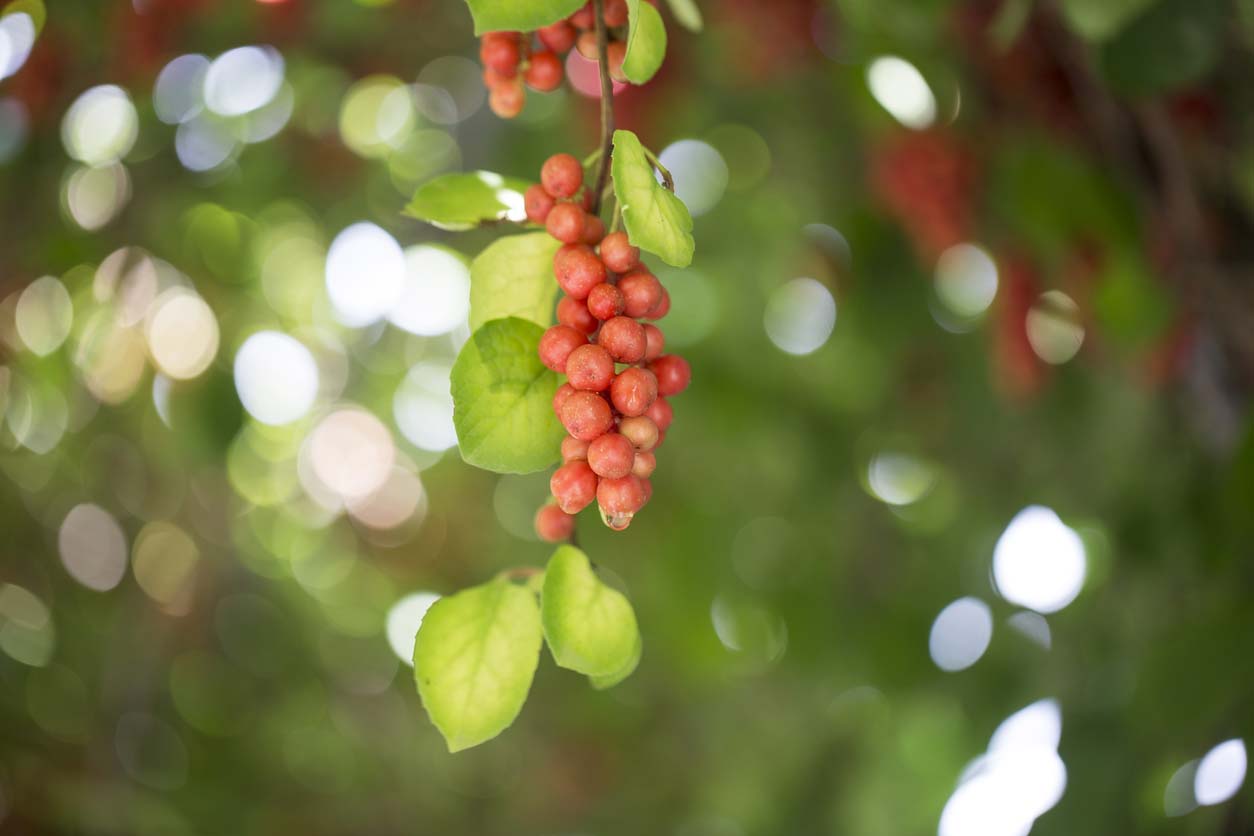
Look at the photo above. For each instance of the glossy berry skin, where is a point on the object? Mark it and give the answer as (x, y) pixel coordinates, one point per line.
(574, 313)
(623, 338)
(553, 525)
(557, 344)
(590, 368)
(615, 13)
(565, 223)
(574, 486)
(641, 293)
(640, 431)
(507, 100)
(561, 175)
(622, 496)
(593, 230)
(586, 415)
(538, 203)
(578, 270)
(654, 342)
(605, 301)
(559, 37)
(499, 51)
(660, 413)
(544, 72)
(559, 397)
(615, 52)
(644, 464)
(662, 308)
(673, 374)
(618, 253)
(633, 391)
(611, 456)
(573, 448)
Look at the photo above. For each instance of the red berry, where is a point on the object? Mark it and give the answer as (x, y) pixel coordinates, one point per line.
(562, 175)
(641, 292)
(585, 18)
(557, 344)
(673, 374)
(660, 413)
(574, 486)
(590, 368)
(648, 489)
(605, 301)
(544, 72)
(618, 253)
(507, 100)
(553, 525)
(640, 431)
(574, 313)
(559, 37)
(623, 338)
(565, 223)
(578, 270)
(586, 415)
(644, 464)
(662, 308)
(593, 230)
(499, 51)
(573, 448)
(623, 496)
(654, 342)
(538, 203)
(611, 456)
(615, 52)
(633, 391)
(492, 79)
(559, 397)
(586, 44)
(615, 13)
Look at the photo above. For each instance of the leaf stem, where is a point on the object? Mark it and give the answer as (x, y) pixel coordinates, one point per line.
(607, 103)
(668, 182)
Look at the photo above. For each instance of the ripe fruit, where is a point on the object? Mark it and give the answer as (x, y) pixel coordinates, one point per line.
(559, 37)
(615, 51)
(593, 230)
(557, 344)
(507, 99)
(565, 222)
(611, 456)
(605, 301)
(584, 18)
(559, 397)
(642, 292)
(573, 448)
(623, 338)
(620, 497)
(644, 464)
(574, 313)
(544, 72)
(561, 175)
(615, 13)
(499, 51)
(654, 342)
(633, 391)
(578, 270)
(660, 413)
(590, 368)
(662, 308)
(673, 374)
(538, 203)
(587, 45)
(574, 486)
(618, 253)
(553, 525)
(640, 431)
(586, 415)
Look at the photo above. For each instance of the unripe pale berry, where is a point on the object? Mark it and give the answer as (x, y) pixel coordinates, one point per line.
(623, 338)
(662, 308)
(615, 13)
(559, 397)
(622, 496)
(574, 313)
(661, 413)
(557, 344)
(559, 37)
(605, 301)
(641, 292)
(654, 342)
(593, 230)
(538, 203)
(574, 486)
(618, 253)
(615, 52)
(586, 44)
(633, 391)
(544, 72)
(673, 374)
(561, 175)
(565, 223)
(644, 464)
(611, 456)
(586, 415)
(507, 100)
(573, 448)
(578, 270)
(499, 51)
(590, 368)
(640, 431)
(553, 525)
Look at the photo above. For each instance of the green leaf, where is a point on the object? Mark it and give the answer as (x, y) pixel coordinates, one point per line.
(474, 658)
(1174, 44)
(688, 15)
(656, 220)
(467, 199)
(34, 8)
(503, 399)
(590, 627)
(602, 683)
(1100, 20)
(513, 276)
(518, 15)
(646, 42)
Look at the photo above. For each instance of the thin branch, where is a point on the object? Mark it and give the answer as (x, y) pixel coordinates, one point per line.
(607, 104)
(668, 182)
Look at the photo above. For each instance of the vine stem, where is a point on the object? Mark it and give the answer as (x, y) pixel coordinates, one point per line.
(607, 103)
(668, 182)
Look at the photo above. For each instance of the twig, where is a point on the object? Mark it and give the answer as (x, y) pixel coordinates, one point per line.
(607, 104)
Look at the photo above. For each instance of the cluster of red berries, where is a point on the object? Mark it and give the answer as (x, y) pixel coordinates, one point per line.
(512, 61)
(613, 403)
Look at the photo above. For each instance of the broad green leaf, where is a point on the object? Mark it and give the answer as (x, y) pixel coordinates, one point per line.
(513, 276)
(602, 683)
(656, 220)
(518, 15)
(646, 42)
(467, 199)
(34, 8)
(590, 627)
(1175, 43)
(474, 658)
(503, 399)
(1099, 20)
(688, 15)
